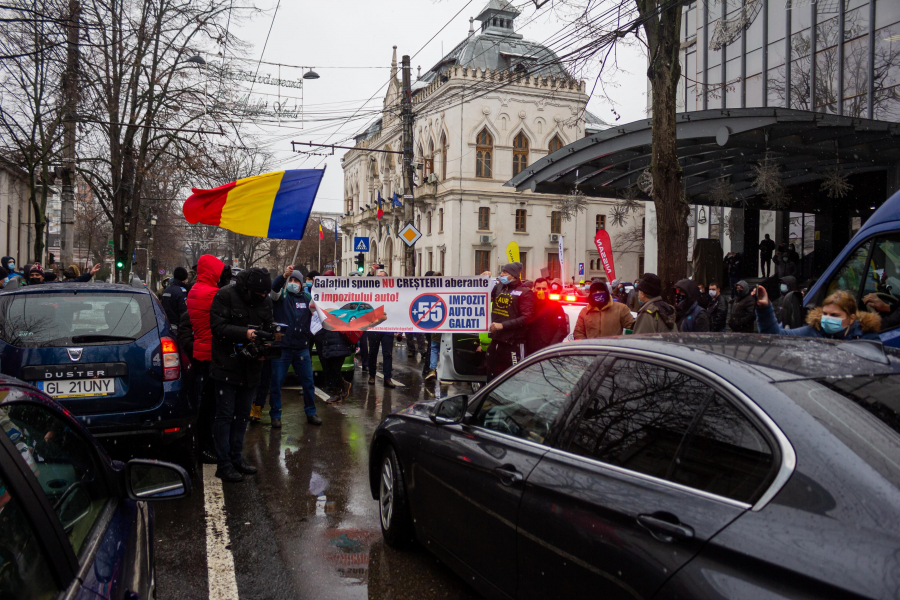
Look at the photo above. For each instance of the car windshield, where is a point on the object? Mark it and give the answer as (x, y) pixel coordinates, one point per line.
(62, 319)
(863, 412)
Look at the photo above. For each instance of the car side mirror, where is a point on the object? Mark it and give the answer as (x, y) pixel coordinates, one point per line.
(450, 410)
(155, 480)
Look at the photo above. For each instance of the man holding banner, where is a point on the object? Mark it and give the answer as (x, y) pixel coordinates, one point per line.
(512, 309)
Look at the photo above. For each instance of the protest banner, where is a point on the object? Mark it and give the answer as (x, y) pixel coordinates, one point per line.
(604, 247)
(403, 304)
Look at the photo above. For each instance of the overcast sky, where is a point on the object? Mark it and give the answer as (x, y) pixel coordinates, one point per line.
(349, 43)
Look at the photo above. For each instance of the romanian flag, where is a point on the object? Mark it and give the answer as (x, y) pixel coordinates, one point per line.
(380, 212)
(272, 205)
(321, 233)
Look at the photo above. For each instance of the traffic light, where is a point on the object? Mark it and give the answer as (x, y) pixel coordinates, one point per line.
(360, 262)
(120, 259)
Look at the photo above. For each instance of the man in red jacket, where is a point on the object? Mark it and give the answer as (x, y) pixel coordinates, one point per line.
(212, 274)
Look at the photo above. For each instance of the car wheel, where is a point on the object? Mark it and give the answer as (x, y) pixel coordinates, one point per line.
(393, 510)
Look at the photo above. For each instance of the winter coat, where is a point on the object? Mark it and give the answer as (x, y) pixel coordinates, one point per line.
(785, 268)
(766, 248)
(743, 314)
(607, 321)
(292, 310)
(199, 301)
(331, 344)
(174, 300)
(691, 317)
(655, 316)
(550, 326)
(513, 306)
(229, 318)
(632, 300)
(718, 313)
(186, 335)
(866, 326)
(791, 313)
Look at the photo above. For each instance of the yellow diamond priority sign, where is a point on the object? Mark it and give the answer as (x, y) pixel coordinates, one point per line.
(410, 235)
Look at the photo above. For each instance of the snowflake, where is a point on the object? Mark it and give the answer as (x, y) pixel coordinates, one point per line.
(835, 183)
(722, 193)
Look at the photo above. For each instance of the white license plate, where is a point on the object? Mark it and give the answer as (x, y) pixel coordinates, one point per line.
(75, 388)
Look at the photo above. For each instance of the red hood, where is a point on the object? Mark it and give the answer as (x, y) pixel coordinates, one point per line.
(209, 270)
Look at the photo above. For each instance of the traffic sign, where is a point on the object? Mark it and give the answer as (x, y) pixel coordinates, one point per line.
(360, 244)
(162, 271)
(581, 269)
(428, 311)
(410, 235)
(111, 243)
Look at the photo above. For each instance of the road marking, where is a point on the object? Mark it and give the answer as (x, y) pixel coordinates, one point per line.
(322, 395)
(397, 383)
(219, 559)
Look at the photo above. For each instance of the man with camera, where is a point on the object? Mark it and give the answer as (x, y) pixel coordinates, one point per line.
(240, 319)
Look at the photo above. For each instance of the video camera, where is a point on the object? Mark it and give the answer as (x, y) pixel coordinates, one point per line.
(264, 346)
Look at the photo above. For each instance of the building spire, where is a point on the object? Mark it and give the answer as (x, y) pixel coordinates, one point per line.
(394, 64)
(471, 25)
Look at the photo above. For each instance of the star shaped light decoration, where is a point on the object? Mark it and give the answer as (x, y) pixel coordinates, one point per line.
(835, 183)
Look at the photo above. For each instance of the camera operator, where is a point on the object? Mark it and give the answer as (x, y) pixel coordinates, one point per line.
(240, 317)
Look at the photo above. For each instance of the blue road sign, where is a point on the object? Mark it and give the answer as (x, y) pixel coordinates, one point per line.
(360, 244)
(581, 269)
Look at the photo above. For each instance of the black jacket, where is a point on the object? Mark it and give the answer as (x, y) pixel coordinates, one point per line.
(689, 315)
(186, 335)
(331, 344)
(292, 310)
(513, 306)
(743, 315)
(229, 318)
(718, 313)
(766, 248)
(550, 326)
(174, 301)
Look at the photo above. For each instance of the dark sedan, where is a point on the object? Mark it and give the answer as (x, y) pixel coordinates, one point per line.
(681, 466)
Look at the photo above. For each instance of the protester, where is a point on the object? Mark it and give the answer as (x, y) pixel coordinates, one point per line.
(434, 347)
(386, 341)
(733, 268)
(549, 325)
(262, 392)
(837, 319)
(690, 317)
(632, 300)
(704, 300)
(618, 292)
(742, 309)
(602, 317)
(766, 247)
(3, 275)
(791, 304)
(212, 274)
(332, 348)
(512, 309)
(655, 314)
(34, 274)
(717, 309)
(784, 267)
(175, 295)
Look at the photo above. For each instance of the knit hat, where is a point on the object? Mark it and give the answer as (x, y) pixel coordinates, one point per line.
(295, 274)
(513, 268)
(35, 268)
(650, 284)
(258, 281)
(180, 273)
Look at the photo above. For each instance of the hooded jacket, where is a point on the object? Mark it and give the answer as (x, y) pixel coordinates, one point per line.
(4, 262)
(743, 311)
(692, 317)
(173, 301)
(292, 310)
(229, 318)
(865, 327)
(199, 301)
(718, 313)
(602, 321)
(513, 306)
(655, 316)
(791, 304)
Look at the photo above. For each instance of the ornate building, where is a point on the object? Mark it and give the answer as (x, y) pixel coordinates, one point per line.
(489, 108)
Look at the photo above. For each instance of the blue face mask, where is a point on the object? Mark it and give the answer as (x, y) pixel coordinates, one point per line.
(832, 325)
(308, 285)
(12, 266)
(293, 288)
(505, 280)
(783, 288)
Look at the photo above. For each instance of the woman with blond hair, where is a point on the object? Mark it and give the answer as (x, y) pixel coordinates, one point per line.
(837, 319)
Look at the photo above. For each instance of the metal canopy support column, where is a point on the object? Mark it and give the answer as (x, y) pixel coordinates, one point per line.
(813, 39)
(787, 56)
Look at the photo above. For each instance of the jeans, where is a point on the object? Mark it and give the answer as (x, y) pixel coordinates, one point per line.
(435, 354)
(262, 390)
(386, 340)
(303, 368)
(232, 411)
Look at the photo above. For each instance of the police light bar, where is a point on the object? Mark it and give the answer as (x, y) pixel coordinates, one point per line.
(554, 296)
(570, 298)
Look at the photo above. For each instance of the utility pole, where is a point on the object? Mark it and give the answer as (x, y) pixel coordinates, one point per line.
(406, 118)
(70, 108)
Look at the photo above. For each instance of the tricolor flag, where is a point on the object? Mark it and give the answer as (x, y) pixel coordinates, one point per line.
(272, 205)
(321, 233)
(380, 212)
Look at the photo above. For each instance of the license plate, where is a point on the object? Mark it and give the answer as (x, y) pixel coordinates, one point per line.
(78, 388)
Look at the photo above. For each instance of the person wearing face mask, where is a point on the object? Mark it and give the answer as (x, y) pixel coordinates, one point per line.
(837, 319)
(602, 317)
(632, 300)
(784, 266)
(550, 325)
(292, 307)
(9, 263)
(237, 312)
(689, 315)
(717, 309)
(791, 304)
(655, 314)
(743, 317)
(512, 309)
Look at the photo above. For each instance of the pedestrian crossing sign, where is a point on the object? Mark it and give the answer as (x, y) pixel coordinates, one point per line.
(360, 244)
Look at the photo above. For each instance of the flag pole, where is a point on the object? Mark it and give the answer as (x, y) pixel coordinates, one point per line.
(296, 250)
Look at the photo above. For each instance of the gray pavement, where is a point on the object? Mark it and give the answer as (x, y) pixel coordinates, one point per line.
(306, 525)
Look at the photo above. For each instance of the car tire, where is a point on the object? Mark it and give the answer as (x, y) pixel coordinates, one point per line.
(393, 507)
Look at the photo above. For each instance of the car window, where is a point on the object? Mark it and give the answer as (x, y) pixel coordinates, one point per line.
(526, 403)
(851, 274)
(664, 423)
(53, 320)
(64, 463)
(883, 276)
(24, 572)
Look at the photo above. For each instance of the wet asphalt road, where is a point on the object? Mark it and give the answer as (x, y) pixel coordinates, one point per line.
(306, 525)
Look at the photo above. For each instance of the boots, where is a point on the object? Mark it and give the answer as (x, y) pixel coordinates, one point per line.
(255, 413)
(348, 385)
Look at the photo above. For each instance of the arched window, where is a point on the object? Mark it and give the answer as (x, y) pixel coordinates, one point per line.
(555, 144)
(444, 156)
(484, 153)
(520, 153)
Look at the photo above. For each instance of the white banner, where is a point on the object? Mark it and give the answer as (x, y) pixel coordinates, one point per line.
(562, 267)
(407, 304)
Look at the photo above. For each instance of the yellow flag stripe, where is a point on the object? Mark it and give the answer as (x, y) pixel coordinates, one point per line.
(249, 205)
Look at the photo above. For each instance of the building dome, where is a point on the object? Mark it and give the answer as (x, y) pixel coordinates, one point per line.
(497, 46)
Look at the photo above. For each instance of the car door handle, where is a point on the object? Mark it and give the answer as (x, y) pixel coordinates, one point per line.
(508, 475)
(662, 527)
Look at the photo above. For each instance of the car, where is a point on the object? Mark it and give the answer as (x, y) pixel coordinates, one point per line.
(869, 264)
(73, 523)
(106, 353)
(352, 311)
(674, 466)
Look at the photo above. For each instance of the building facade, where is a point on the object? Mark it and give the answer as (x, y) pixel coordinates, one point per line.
(16, 215)
(485, 112)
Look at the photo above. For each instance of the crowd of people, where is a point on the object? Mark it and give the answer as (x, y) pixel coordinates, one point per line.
(34, 273)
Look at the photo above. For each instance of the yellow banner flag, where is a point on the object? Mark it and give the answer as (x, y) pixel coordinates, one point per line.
(512, 252)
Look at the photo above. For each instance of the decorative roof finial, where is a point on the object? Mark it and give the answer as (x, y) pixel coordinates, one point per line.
(394, 64)
(471, 25)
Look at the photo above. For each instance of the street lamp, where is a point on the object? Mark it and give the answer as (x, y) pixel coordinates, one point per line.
(311, 75)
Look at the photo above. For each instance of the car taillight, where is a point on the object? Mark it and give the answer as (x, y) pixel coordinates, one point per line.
(570, 298)
(554, 296)
(171, 360)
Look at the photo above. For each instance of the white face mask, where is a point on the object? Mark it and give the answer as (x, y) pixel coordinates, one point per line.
(713, 293)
